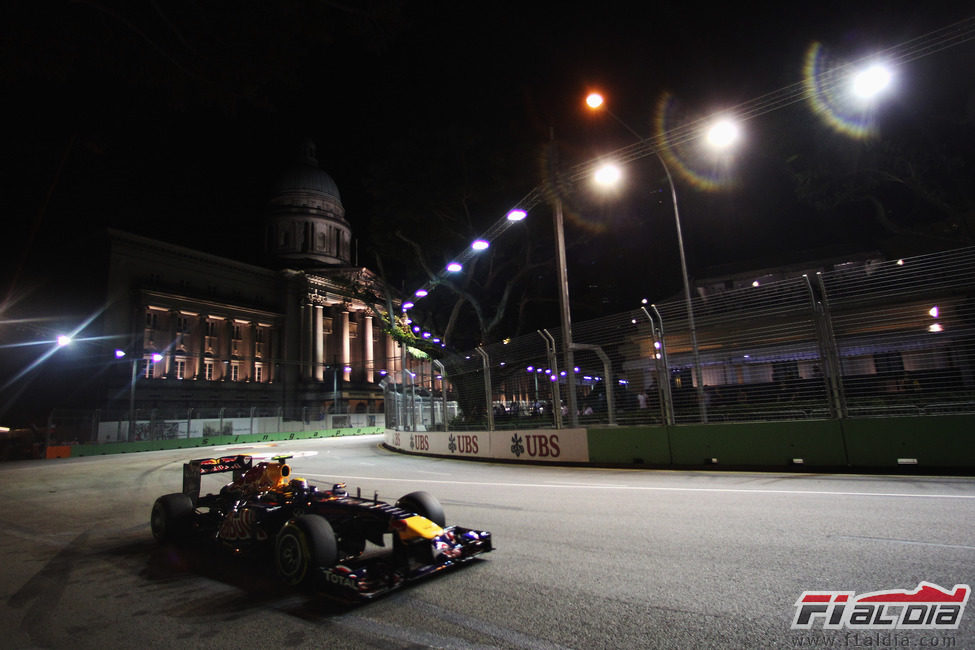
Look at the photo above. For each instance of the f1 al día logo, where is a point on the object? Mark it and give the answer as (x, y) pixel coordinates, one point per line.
(929, 607)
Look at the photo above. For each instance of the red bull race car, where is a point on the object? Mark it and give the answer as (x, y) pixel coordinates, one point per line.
(318, 538)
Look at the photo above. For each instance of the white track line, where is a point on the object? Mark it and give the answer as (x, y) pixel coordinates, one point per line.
(591, 486)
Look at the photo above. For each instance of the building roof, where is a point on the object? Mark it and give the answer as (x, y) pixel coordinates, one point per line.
(306, 176)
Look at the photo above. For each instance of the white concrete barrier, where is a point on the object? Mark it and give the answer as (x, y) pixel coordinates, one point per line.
(531, 445)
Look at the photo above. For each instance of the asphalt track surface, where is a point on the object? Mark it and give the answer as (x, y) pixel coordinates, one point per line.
(586, 558)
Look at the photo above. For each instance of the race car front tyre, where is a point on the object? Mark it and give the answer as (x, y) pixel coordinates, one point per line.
(171, 517)
(304, 544)
(425, 505)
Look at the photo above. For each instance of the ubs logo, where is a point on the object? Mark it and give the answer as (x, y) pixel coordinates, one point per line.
(536, 445)
(463, 443)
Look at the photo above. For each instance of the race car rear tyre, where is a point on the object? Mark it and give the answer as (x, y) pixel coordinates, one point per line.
(171, 517)
(304, 544)
(425, 505)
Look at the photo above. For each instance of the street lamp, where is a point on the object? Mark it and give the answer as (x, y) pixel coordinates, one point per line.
(121, 354)
(722, 133)
(871, 81)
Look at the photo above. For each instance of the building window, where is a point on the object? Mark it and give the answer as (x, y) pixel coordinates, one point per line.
(258, 373)
(208, 370)
(353, 329)
(211, 328)
(259, 335)
(180, 368)
(182, 324)
(149, 368)
(235, 372)
(237, 335)
(326, 326)
(151, 320)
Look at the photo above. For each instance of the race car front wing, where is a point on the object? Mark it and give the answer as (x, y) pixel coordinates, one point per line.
(367, 577)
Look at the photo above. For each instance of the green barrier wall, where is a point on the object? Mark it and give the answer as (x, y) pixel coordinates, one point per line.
(946, 441)
(764, 444)
(936, 442)
(638, 445)
(157, 445)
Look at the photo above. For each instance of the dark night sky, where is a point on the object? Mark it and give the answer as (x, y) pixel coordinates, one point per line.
(172, 119)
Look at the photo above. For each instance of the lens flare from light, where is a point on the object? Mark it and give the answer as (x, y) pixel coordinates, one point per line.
(687, 158)
(840, 97)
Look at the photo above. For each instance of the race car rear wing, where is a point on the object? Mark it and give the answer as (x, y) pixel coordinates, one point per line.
(193, 470)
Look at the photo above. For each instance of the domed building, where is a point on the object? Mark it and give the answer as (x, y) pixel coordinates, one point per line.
(211, 335)
(306, 226)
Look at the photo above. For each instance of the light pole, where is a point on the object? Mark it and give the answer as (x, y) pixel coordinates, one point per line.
(721, 134)
(567, 354)
(121, 354)
(566, 316)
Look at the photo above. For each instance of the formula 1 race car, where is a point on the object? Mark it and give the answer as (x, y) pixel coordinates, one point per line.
(317, 537)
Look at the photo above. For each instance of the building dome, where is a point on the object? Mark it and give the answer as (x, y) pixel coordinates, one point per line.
(306, 226)
(306, 176)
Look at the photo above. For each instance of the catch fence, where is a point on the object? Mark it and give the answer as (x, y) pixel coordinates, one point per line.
(860, 339)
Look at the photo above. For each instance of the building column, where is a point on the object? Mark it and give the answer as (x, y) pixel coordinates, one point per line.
(307, 318)
(169, 370)
(367, 349)
(272, 353)
(228, 356)
(346, 348)
(252, 353)
(318, 347)
(392, 356)
(201, 357)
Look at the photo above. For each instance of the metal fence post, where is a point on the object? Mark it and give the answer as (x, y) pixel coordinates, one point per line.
(826, 339)
(443, 389)
(660, 362)
(608, 373)
(552, 354)
(489, 403)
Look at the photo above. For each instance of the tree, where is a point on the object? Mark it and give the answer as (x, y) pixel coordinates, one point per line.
(914, 181)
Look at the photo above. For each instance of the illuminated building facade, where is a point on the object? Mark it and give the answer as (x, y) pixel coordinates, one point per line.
(207, 332)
